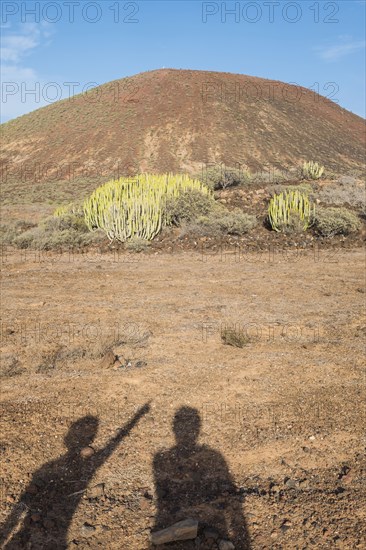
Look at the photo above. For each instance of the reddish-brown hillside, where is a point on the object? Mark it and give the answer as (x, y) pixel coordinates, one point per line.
(173, 120)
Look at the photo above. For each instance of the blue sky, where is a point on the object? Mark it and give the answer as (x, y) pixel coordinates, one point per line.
(47, 44)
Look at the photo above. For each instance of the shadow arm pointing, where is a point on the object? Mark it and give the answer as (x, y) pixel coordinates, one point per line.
(104, 453)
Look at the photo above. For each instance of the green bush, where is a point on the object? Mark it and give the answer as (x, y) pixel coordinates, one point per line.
(223, 221)
(336, 221)
(189, 206)
(10, 231)
(221, 177)
(69, 230)
(66, 221)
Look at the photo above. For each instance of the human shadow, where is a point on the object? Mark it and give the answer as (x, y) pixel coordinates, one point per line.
(194, 481)
(46, 507)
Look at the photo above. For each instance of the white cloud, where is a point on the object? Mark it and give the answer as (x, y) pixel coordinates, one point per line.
(16, 74)
(15, 47)
(346, 47)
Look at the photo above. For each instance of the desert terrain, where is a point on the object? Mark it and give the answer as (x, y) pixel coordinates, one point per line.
(281, 420)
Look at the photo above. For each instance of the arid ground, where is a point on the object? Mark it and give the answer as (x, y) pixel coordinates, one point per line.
(285, 413)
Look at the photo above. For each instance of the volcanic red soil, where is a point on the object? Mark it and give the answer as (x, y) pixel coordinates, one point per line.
(178, 120)
(282, 440)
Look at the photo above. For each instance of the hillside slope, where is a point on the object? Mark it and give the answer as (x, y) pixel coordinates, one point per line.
(172, 120)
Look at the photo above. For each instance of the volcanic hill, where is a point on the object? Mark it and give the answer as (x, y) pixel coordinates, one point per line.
(178, 120)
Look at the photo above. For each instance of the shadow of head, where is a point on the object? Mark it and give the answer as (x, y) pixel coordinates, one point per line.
(186, 426)
(81, 433)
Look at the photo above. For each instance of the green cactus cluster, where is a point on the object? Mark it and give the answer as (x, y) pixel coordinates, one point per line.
(135, 207)
(291, 210)
(312, 170)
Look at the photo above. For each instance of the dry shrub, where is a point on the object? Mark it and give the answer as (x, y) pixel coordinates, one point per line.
(345, 191)
(335, 221)
(234, 337)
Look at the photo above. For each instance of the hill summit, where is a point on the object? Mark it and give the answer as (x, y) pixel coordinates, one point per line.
(178, 120)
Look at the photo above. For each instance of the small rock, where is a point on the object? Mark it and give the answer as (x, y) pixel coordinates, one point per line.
(87, 452)
(312, 438)
(87, 530)
(183, 530)
(36, 517)
(140, 364)
(226, 545)
(348, 478)
(286, 525)
(344, 471)
(96, 491)
(290, 483)
(210, 533)
(108, 360)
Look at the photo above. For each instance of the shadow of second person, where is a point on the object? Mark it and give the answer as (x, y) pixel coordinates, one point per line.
(194, 481)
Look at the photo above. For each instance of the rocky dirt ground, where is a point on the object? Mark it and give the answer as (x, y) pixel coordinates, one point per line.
(88, 446)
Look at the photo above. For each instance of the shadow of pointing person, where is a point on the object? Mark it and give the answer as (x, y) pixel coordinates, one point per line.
(193, 481)
(46, 507)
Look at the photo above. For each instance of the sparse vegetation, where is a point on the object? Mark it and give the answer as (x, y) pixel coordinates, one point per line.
(336, 221)
(234, 337)
(312, 170)
(68, 231)
(10, 231)
(290, 211)
(221, 177)
(69, 209)
(10, 366)
(304, 188)
(222, 221)
(136, 244)
(344, 191)
(272, 176)
(190, 205)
